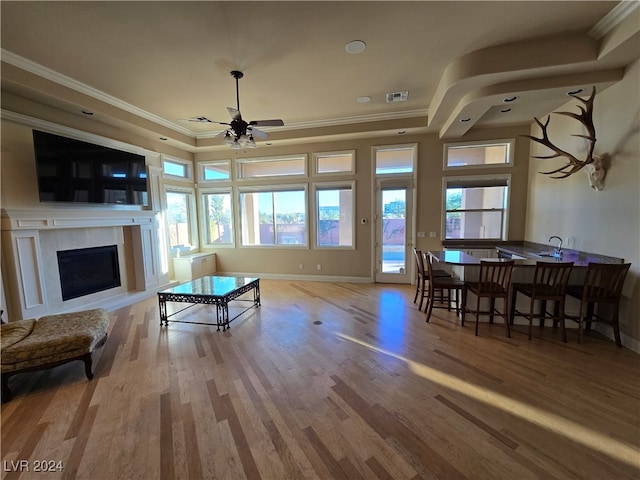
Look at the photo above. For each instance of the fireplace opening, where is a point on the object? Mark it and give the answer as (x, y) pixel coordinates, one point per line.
(88, 270)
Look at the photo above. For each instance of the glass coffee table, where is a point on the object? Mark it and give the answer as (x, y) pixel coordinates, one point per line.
(211, 290)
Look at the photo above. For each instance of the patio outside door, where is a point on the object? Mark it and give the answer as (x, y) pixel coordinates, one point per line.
(394, 231)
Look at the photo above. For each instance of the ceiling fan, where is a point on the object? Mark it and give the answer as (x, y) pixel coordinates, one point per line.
(240, 133)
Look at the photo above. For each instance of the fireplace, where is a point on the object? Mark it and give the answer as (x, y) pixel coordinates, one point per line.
(88, 270)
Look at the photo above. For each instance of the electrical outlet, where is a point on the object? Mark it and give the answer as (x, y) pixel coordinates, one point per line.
(318, 267)
(433, 234)
(420, 234)
(301, 266)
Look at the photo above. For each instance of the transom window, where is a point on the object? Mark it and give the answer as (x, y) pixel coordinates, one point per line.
(272, 166)
(334, 162)
(215, 171)
(476, 207)
(177, 168)
(397, 159)
(478, 154)
(274, 217)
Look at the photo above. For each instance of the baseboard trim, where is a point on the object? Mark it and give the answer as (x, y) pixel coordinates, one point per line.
(308, 278)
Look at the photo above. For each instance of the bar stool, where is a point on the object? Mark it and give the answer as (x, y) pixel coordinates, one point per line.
(493, 283)
(549, 285)
(603, 286)
(423, 278)
(443, 284)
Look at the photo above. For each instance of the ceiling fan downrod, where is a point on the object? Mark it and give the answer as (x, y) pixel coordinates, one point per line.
(237, 74)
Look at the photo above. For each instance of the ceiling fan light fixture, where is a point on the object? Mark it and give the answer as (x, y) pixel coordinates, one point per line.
(239, 133)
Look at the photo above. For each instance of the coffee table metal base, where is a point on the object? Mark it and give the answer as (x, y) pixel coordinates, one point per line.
(194, 294)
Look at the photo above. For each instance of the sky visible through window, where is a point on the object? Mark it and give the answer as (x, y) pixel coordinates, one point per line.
(292, 202)
(171, 168)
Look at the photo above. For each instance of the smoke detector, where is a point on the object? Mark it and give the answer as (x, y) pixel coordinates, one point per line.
(397, 96)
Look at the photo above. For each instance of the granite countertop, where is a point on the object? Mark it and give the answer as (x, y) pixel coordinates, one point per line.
(526, 253)
(533, 251)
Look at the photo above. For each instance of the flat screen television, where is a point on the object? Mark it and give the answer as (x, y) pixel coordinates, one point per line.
(71, 170)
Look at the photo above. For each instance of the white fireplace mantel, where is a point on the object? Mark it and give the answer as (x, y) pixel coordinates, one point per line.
(55, 218)
(30, 288)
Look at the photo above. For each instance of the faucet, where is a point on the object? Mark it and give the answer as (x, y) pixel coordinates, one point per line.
(557, 252)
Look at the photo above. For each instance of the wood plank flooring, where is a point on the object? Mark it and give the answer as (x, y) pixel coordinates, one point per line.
(329, 381)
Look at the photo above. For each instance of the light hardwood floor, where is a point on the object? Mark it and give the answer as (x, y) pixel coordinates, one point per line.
(324, 381)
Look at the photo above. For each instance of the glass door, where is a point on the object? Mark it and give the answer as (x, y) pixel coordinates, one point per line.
(394, 232)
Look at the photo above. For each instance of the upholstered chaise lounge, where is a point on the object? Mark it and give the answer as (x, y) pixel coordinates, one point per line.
(30, 345)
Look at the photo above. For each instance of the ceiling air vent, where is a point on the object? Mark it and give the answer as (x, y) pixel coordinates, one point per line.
(397, 96)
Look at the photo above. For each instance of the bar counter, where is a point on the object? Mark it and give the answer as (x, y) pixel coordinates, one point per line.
(524, 254)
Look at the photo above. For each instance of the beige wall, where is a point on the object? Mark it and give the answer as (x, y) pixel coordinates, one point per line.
(430, 175)
(605, 222)
(19, 190)
(358, 262)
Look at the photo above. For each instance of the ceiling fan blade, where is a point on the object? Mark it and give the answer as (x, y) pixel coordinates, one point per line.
(221, 134)
(205, 120)
(259, 134)
(268, 123)
(235, 113)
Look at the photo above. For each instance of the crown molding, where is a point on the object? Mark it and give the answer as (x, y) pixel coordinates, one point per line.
(70, 132)
(332, 122)
(53, 76)
(613, 18)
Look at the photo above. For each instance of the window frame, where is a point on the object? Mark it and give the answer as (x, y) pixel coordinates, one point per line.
(285, 187)
(338, 153)
(192, 222)
(414, 161)
(319, 186)
(509, 142)
(276, 158)
(478, 180)
(188, 164)
(203, 165)
(205, 217)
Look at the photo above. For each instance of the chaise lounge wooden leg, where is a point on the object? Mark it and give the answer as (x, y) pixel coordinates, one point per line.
(87, 365)
(6, 391)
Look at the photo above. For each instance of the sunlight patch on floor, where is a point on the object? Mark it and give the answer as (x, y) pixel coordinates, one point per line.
(557, 424)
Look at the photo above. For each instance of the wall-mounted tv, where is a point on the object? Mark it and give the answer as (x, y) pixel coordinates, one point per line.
(71, 170)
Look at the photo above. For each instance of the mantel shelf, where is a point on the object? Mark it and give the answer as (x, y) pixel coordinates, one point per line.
(50, 219)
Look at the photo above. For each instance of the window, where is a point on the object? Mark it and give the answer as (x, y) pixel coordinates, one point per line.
(478, 154)
(476, 207)
(398, 159)
(272, 167)
(334, 162)
(218, 218)
(177, 168)
(180, 218)
(215, 171)
(335, 215)
(274, 217)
